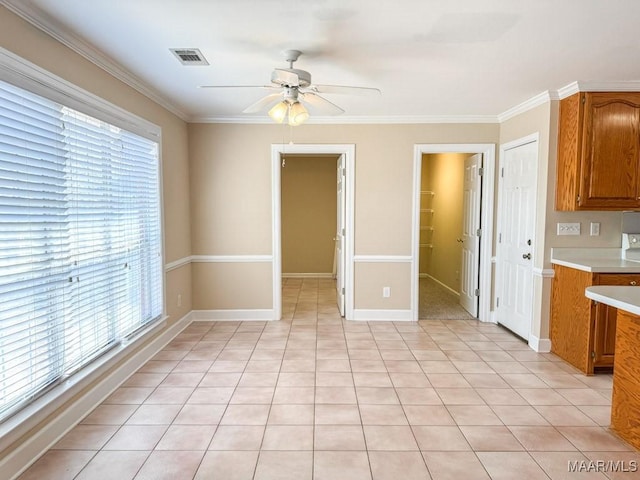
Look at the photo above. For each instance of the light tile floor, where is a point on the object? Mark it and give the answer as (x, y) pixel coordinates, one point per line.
(315, 397)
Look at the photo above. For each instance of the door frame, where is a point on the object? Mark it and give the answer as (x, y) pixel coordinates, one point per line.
(488, 151)
(532, 138)
(277, 150)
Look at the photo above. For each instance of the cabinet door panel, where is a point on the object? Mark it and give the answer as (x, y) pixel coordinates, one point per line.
(604, 335)
(611, 150)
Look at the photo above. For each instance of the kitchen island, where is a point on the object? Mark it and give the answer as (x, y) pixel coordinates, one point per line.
(625, 402)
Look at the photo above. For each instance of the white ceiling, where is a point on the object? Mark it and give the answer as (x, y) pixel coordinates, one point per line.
(469, 60)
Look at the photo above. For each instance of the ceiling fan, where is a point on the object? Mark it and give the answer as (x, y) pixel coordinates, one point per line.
(292, 90)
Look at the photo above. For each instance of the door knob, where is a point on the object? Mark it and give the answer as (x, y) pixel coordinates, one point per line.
(633, 282)
(527, 256)
(459, 240)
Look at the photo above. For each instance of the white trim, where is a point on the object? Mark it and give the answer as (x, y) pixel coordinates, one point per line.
(382, 258)
(67, 415)
(349, 151)
(488, 151)
(24, 74)
(356, 120)
(177, 264)
(55, 30)
(231, 258)
(369, 315)
(308, 275)
(533, 102)
(544, 272)
(234, 315)
(540, 345)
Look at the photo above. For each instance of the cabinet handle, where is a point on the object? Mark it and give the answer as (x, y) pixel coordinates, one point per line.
(633, 282)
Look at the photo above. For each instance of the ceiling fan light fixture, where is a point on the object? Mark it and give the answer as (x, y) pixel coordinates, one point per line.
(279, 112)
(297, 114)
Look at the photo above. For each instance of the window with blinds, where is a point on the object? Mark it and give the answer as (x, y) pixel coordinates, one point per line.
(80, 241)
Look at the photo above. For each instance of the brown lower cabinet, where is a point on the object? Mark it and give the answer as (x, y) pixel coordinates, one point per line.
(583, 331)
(625, 402)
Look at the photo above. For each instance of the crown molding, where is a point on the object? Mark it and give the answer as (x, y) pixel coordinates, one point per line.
(589, 86)
(357, 120)
(533, 102)
(54, 29)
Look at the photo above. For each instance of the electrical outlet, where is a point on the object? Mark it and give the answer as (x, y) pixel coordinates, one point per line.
(568, 229)
(594, 229)
(386, 292)
(179, 302)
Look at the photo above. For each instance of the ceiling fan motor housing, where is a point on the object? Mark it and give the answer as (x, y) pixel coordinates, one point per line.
(291, 77)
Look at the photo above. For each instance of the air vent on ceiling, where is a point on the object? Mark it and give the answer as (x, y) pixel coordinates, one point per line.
(189, 56)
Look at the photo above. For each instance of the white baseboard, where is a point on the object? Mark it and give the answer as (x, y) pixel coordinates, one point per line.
(69, 414)
(234, 315)
(540, 345)
(383, 315)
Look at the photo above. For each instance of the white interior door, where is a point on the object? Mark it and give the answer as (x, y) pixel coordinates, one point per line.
(340, 234)
(514, 272)
(472, 194)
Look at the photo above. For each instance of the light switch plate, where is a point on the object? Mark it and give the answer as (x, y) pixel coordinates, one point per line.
(568, 229)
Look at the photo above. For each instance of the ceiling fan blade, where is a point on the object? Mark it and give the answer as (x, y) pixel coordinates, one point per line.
(263, 103)
(344, 89)
(321, 103)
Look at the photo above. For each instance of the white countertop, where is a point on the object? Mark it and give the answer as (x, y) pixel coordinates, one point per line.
(597, 260)
(621, 297)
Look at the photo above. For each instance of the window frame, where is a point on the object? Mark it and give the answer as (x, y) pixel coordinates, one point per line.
(28, 76)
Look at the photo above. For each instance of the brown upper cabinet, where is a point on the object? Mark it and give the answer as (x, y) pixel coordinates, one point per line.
(599, 152)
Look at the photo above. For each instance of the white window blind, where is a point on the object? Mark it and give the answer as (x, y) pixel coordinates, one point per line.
(80, 241)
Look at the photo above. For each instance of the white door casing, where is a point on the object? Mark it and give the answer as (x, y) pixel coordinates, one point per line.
(472, 196)
(516, 235)
(488, 151)
(347, 151)
(340, 233)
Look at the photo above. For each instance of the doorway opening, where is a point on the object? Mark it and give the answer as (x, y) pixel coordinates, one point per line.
(452, 231)
(293, 260)
(309, 213)
(445, 206)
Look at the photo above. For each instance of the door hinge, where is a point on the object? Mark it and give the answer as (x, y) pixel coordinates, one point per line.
(499, 238)
(578, 198)
(481, 171)
(497, 302)
(342, 290)
(479, 232)
(476, 292)
(502, 172)
(344, 172)
(593, 354)
(343, 232)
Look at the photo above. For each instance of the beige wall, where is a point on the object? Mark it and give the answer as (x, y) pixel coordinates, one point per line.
(309, 214)
(31, 44)
(231, 196)
(443, 174)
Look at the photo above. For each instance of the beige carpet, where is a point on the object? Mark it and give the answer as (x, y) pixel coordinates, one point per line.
(436, 302)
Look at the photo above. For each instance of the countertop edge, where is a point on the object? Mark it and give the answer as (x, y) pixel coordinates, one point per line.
(625, 298)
